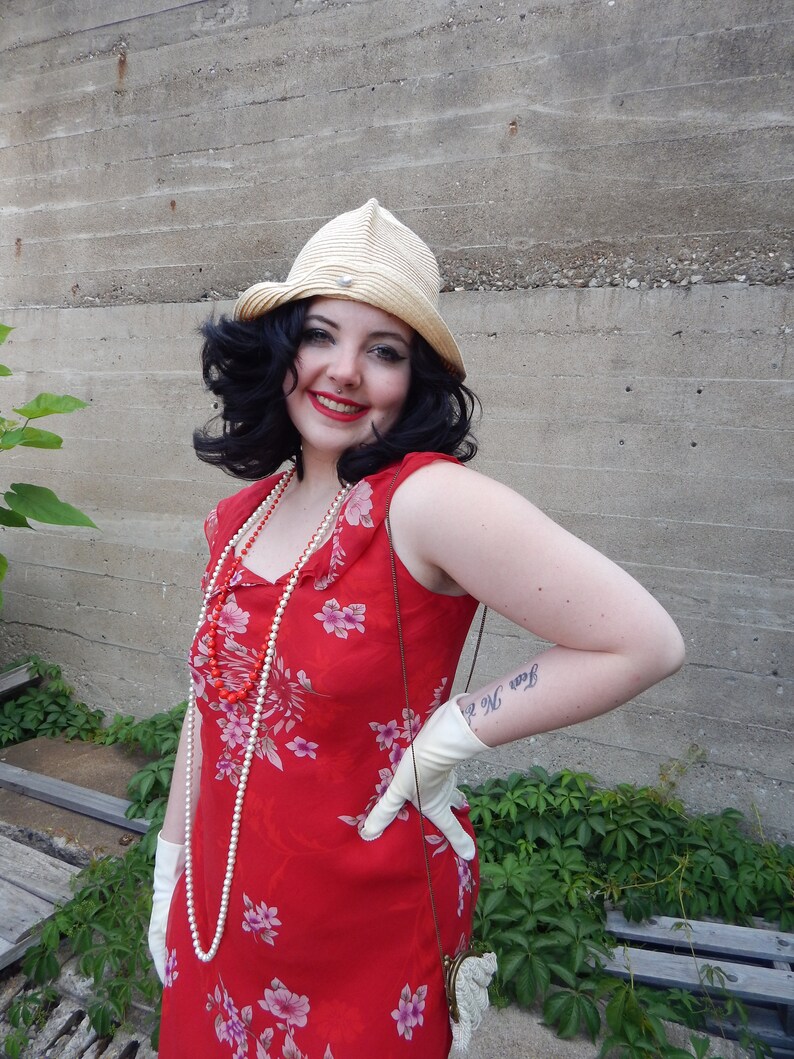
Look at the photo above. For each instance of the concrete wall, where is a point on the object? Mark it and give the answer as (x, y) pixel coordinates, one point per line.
(155, 151)
(156, 158)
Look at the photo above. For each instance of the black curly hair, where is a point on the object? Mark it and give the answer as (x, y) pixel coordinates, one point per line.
(245, 364)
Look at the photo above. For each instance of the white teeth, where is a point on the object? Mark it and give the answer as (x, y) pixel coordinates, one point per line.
(337, 406)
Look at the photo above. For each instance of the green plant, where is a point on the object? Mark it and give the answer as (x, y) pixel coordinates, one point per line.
(106, 920)
(25, 1013)
(158, 737)
(48, 708)
(555, 850)
(22, 500)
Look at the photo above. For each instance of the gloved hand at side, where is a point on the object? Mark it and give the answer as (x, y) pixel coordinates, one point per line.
(443, 742)
(169, 862)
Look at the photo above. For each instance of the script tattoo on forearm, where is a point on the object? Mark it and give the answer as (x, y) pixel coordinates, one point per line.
(489, 703)
(528, 679)
(492, 700)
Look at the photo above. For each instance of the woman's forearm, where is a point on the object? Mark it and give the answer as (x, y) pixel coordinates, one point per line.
(560, 687)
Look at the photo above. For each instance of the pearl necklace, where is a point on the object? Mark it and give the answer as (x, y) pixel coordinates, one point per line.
(267, 507)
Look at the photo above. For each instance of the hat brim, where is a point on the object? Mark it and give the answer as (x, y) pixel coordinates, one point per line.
(418, 313)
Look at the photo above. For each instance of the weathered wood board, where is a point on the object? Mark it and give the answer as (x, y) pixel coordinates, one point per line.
(14, 680)
(31, 884)
(753, 964)
(70, 796)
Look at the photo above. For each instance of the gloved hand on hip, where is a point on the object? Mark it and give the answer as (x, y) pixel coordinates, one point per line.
(169, 861)
(444, 741)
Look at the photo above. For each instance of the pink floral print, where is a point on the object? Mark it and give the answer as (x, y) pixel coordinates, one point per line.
(260, 920)
(341, 620)
(235, 730)
(409, 1011)
(358, 509)
(301, 747)
(171, 972)
(231, 1025)
(465, 882)
(233, 619)
(284, 701)
(291, 1009)
(387, 733)
(356, 512)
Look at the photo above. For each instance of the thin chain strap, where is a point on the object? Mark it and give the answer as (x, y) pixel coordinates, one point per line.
(410, 718)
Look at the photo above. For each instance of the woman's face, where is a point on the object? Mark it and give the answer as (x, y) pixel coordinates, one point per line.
(354, 370)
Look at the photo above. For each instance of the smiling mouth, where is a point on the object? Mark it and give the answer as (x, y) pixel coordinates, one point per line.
(344, 407)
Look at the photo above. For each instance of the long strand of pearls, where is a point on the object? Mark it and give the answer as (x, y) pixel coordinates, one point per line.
(330, 517)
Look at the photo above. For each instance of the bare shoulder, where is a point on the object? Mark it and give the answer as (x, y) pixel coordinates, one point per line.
(443, 486)
(445, 498)
(443, 516)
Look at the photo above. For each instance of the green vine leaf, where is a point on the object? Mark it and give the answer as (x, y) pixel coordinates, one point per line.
(32, 437)
(5, 331)
(42, 505)
(47, 404)
(12, 518)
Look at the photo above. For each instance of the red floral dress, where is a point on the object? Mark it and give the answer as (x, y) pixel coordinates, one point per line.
(329, 950)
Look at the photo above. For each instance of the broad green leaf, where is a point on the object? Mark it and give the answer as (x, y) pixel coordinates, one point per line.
(3, 566)
(12, 437)
(42, 505)
(32, 437)
(556, 1005)
(4, 371)
(5, 331)
(47, 404)
(11, 518)
(40, 439)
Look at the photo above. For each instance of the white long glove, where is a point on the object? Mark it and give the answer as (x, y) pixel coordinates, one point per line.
(169, 861)
(443, 742)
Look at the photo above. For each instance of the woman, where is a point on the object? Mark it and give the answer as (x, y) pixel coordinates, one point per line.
(302, 925)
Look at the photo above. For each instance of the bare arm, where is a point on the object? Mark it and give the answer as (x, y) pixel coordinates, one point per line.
(173, 829)
(457, 530)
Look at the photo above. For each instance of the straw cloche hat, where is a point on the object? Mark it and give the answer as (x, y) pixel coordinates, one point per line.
(369, 256)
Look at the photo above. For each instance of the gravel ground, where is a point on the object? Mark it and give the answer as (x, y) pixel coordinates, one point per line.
(651, 263)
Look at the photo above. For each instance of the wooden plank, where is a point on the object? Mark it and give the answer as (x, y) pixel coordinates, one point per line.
(764, 1024)
(35, 872)
(13, 680)
(31, 883)
(21, 911)
(70, 796)
(705, 937)
(9, 952)
(745, 981)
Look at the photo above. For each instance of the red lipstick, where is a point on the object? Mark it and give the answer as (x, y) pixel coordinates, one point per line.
(336, 407)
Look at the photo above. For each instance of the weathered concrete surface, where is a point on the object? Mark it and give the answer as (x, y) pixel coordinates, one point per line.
(652, 423)
(154, 152)
(512, 1033)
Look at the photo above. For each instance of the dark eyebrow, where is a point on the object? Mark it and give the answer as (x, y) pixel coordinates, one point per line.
(322, 319)
(390, 334)
(393, 335)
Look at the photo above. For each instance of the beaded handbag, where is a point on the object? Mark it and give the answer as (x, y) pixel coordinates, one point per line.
(467, 975)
